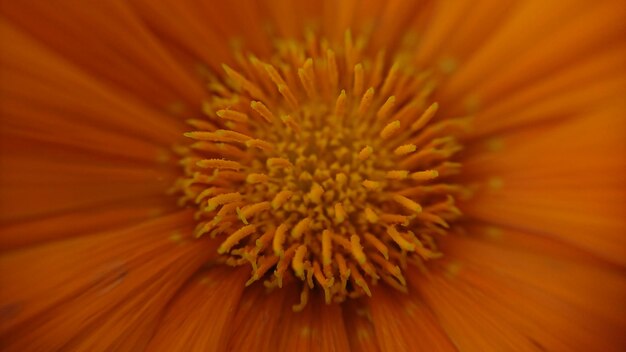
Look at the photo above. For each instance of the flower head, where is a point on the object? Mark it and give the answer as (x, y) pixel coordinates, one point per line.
(285, 175)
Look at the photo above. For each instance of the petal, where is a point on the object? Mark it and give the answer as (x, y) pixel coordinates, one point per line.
(404, 323)
(319, 327)
(567, 92)
(564, 181)
(257, 319)
(199, 317)
(455, 30)
(360, 327)
(110, 42)
(529, 292)
(518, 54)
(83, 220)
(200, 34)
(103, 291)
(35, 88)
(63, 152)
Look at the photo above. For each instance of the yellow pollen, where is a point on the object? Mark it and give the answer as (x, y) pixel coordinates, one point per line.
(371, 185)
(261, 144)
(232, 115)
(327, 248)
(301, 227)
(426, 117)
(365, 153)
(279, 239)
(298, 261)
(281, 198)
(357, 249)
(221, 199)
(340, 213)
(340, 105)
(357, 89)
(320, 165)
(366, 101)
(257, 178)
(397, 174)
(278, 162)
(424, 175)
(219, 164)
(235, 238)
(254, 209)
(370, 215)
(390, 129)
(386, 108)
(405, 149)
(378, 244)
(400, 240)
(407, 203)
(262, 110)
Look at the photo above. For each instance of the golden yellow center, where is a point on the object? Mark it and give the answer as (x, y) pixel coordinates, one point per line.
(323, 165)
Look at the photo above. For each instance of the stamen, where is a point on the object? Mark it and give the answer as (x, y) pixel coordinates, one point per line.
(371, 185)
(237, 236)
(340, 213)
(301, 227)
(424, 175)
(332, 70)
(357, 249)
(278, 162)
(399, 240)
(254, 209)
(279, 239)
(390, 129)
(407, 203)
(316, 193)
(298, 261)
(405, 149)
(357, 89)
(281, 198)
(261, 144)
(365, 152)
(378, 244)
(262, 110)
(232, 115)
(386, 108)
(304, 299)
(370, 215)
(219, 164)
(340, 105)
(327, 248)
(426, 117)
(221, 199)
(397, 174)
(307, 78)
(366, 101)
(257, 178)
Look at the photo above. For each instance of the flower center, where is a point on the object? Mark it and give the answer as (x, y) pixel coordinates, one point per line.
(321, 165)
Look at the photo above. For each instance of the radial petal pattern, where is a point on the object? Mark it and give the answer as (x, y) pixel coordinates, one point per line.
(283, 175)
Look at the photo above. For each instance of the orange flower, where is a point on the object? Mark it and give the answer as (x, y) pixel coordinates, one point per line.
(275, 175)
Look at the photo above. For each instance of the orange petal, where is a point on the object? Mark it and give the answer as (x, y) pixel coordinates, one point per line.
(527, 290)
(361, 334)
(565, 182)
(199, 317)
(319, 326)
(88, 293)
(404, 323)
(83, 220)
(111, 42)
